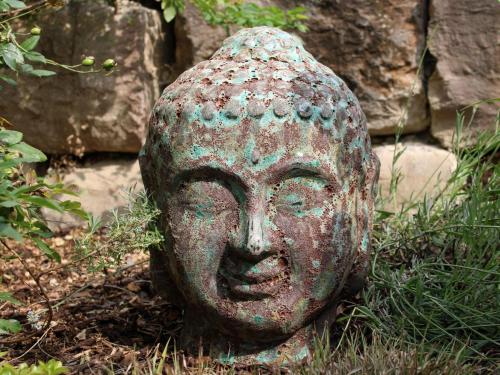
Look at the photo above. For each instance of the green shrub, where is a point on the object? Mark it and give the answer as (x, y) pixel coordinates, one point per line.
(22, 196)
(22, 193)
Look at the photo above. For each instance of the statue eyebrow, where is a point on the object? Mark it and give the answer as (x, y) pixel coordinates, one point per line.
(299, 169)
(206, 173)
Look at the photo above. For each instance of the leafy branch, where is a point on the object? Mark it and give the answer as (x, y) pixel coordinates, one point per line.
(19, 57)
(238, 12)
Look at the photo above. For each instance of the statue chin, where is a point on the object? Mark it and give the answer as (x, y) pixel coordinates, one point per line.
(260, 162)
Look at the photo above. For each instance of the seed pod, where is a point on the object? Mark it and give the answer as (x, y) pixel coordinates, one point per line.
(88, 61)
(109, 64)
(36, 31)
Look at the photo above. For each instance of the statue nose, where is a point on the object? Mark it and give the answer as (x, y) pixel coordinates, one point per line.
(252, 239)
(257, 242)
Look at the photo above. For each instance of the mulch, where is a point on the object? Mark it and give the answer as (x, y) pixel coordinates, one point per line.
(101, 320)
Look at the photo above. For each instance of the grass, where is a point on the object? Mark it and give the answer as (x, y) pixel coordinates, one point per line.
(434, 282)
(435, 270)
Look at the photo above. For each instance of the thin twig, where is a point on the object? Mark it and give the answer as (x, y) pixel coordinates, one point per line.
(37, 281)
(35, 344)
(13, 14)
(62, 266)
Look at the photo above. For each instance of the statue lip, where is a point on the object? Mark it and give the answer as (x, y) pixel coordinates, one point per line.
(252, 273)
(259, 280)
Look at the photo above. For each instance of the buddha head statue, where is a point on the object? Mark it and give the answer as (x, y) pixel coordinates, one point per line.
(260, 162)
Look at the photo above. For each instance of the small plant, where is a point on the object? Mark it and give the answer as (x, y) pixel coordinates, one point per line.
(22, 196)
(237, 12)
(52, 367)
(127, 232)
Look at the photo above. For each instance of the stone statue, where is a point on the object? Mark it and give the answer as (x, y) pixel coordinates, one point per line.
(260, 162)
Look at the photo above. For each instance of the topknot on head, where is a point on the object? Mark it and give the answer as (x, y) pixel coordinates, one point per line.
(263, 43)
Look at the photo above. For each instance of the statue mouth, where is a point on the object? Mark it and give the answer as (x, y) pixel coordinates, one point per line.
(246, 280)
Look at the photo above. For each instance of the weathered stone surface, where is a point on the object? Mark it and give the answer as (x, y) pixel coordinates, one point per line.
(424, 169)
(71, 113)
(373, 45)
(260, 162)
(463, 37)
(195, 39)
(102, 187)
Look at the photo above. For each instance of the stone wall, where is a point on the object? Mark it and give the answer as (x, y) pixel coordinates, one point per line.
(82, 113)
(378, 47)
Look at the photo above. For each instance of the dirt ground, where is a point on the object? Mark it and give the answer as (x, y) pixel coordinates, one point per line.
(109, 319)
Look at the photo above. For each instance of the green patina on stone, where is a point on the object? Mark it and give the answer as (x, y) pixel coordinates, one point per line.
(260, 161)
(258, 319)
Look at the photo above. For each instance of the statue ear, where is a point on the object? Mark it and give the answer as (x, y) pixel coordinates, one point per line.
(372, 175)
(159, 267)
(366, 201)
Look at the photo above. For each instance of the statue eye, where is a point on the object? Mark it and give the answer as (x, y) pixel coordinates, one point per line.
(293, 203)
(205, 198)
(301, 196)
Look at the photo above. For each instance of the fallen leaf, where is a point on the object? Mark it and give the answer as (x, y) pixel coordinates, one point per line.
(133, 287)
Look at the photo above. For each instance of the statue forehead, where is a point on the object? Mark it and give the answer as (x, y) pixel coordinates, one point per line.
(251, 146)
(261, 95)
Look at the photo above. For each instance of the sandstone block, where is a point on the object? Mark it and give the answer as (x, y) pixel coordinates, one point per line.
(463, 37)
(75, 113)
(424, 170)
(102, 187)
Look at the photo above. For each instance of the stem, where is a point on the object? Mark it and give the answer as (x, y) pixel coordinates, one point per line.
(71, 68)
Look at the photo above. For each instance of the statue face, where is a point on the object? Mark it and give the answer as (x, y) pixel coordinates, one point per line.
(261, 222)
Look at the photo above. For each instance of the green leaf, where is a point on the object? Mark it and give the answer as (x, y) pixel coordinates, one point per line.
(169, 13)
(302, 28)
(7, 297)
(52, 367)
(10, 81)
(9, 203)
(31, 42)
(44, 202)
(15, 4)
(9, 164)
(11, 55)
(35, 57)
(29, 153)
(51, 253)
(26, 68)
(8, 326)
(75, 208)
(10, 137)
(42, 73)
(6, 230)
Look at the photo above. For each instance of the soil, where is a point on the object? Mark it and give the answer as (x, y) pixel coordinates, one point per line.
(103, 320)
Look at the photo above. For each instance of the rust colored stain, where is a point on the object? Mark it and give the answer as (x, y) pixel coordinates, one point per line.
(261, 164)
